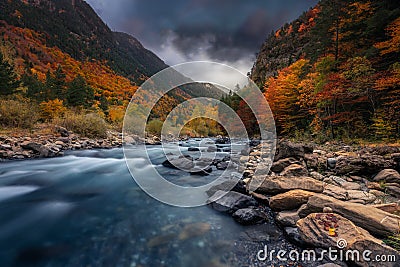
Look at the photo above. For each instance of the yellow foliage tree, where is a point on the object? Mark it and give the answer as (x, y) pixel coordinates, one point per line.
(52, 109)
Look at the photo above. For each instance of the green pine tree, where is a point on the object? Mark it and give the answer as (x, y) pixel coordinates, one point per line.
(79, 93)
(55, 84)
(8, 79)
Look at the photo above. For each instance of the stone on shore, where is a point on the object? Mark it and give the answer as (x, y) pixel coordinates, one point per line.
(314, 230)
(388, 176)
(376, 221)
(362, 165)
(294, 170)
(280, 184)
(288, 218)
(290, 200)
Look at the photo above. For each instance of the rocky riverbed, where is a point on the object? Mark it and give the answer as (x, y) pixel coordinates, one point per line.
(317, 195)
(321, 196)
(53, 145)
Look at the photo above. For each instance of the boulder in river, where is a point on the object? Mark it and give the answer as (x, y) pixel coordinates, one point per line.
(231, 201)
(249, 216)
(179, 163)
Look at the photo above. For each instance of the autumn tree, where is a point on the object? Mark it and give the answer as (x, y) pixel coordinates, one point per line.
(393, 44)
(282, 94)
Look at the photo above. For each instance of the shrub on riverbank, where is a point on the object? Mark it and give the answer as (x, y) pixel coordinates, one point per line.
(90, 125)
(18, 113)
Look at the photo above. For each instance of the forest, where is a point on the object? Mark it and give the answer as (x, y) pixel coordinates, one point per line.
(336, 73)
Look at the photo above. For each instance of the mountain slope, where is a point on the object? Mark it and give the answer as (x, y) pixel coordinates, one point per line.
(75, 28)
(335, 71)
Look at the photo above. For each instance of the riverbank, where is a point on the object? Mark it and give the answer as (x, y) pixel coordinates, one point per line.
(16, 146)
(322, 195)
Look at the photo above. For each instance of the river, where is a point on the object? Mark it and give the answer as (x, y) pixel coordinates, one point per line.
(84, 209)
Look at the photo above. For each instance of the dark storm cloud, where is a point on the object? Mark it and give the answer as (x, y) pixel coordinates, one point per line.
(178, 30)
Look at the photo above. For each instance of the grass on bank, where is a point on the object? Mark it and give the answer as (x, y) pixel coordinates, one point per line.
(23, 117)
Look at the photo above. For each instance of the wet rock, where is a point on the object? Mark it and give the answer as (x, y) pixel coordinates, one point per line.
(161, 240)
(293, 235)
(230, 185)
(388, 176)
(223, 140)
(281, 184)
(290, 200)
(192, 149)
(231, 201)
(287, 218)
(294, 170)
(249, 216)
(222, 165)
(201, 172)
(376, 221)
(179, 163)
(212, 149)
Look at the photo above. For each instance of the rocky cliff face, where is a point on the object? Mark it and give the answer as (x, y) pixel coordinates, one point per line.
(283, 47)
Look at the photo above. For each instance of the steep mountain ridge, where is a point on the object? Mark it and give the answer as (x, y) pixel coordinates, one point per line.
(74, 27)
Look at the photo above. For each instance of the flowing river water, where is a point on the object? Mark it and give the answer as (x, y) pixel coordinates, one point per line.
(84, 209)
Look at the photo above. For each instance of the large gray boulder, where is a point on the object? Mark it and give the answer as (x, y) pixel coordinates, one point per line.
(231, 201)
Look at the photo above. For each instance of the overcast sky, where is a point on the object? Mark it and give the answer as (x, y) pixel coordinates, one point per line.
(227, 31)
